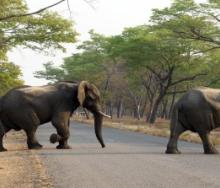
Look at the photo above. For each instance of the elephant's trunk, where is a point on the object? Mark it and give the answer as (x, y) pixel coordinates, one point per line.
(98, 119)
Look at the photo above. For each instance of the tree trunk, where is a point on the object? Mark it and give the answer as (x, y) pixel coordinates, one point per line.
(136, 104)
(111, 110)
(172, 103)
(149, 112)
(143, 109)
(155, 108)
(138, 112)
(119, 109)
(164, 108)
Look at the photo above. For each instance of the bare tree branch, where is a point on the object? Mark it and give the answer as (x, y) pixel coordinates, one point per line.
(68, 5)
(207, 50)
(195, 35)
(216, 17)
(187, 78)
(149, 85)
(154, 72)
(90, 3)
(29, 14)
(176, 92)
(199, 36)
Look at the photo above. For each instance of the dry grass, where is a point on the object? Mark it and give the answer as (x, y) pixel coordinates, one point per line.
(160, 128)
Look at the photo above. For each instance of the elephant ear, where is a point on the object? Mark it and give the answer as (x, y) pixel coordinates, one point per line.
(81, 91)
(85, 88)
(93, 92)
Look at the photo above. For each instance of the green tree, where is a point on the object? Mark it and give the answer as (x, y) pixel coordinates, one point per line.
(39, 31)
(9, 76)
(153, 51)
(188, 20)
(50, 72)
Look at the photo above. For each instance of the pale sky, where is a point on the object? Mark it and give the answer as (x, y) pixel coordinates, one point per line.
(109, 17)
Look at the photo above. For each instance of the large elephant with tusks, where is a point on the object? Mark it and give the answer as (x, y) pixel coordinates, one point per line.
(25, 108)
(199, 111)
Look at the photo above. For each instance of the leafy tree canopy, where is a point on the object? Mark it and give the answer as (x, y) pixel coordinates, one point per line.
(9, 76)
(188, 20)
(38, 31)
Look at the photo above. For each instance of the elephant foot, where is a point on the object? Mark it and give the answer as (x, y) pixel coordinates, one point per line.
(172, 151)
(66, 146)
(211, 151)
(2, 149)
(35, 146)
(54, 138)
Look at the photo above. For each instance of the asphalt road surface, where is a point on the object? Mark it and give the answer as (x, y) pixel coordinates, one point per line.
(130, 160)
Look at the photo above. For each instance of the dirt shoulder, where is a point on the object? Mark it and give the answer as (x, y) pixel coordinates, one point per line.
(20, 167)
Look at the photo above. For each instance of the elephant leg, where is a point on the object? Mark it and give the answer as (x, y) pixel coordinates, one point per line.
(62, 126)
(30, 124)
(31, 139)
(175, 132)
(3, 131)
(207, 145)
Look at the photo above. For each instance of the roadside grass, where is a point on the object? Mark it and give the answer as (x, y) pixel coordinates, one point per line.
(159, 128)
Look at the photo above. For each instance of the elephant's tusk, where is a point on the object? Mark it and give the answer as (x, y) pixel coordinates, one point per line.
(105, 115)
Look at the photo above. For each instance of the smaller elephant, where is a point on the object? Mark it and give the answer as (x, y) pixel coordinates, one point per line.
(26, 107)
(198, 110)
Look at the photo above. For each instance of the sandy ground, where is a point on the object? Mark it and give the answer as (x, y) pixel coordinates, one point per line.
(20, 167)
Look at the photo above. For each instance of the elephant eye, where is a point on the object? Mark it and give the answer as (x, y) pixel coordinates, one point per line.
(90, 100)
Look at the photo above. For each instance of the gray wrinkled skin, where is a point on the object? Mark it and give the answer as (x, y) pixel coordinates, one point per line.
(25, 108)
(198, 111)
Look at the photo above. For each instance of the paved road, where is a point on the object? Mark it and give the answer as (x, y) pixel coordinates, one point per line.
(130, 160)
